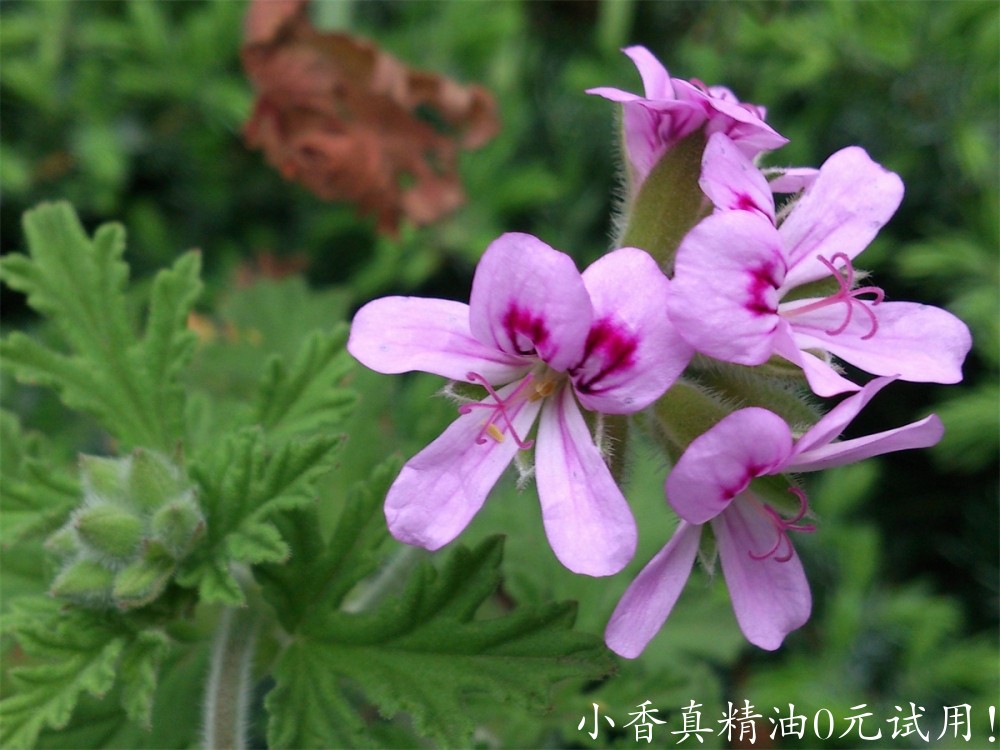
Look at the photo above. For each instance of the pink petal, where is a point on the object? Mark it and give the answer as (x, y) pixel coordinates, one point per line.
(441, 488)
(528, 298)
(649, 599)
(921, 434)
(823, 379)
(723, 296)
(790, 180)
(770, 598)
(843, 210)
(401, 334)
(587, 520)
(834, 421)
(633, 352)
(719, 464)
(613, 94)
(919, 343)
(655, 79)
(731, 181)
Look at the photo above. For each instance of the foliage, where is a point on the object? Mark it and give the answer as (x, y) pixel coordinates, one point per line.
(134, 111)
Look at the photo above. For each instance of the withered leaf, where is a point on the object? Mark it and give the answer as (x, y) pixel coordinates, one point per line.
(353, 123)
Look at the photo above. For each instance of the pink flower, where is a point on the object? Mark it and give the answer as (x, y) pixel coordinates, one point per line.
(711, 483)
(672, 109)
(737, 271)
(554, 340)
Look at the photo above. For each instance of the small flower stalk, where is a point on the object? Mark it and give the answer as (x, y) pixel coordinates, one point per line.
(720, 318)
(139, 518)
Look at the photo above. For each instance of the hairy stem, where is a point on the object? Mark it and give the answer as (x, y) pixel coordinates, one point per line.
(386, 580)
(227, 694)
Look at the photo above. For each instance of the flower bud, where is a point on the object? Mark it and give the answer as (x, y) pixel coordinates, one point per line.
(152, 481)
(109, 529)
(143, 580)
(177, 525)
(85, 580)
(104, 478)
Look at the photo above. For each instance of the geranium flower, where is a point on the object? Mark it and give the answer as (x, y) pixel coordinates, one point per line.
(672, 109)
(737, 271)
(711, 483)
(554, 340)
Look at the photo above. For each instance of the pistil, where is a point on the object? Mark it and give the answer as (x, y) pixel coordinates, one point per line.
(846, 295)
(783, 526)
(499, 409)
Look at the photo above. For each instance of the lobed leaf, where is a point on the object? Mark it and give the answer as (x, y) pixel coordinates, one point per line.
(130, 384)
(306, 396)
(425, 653)
(243, 484)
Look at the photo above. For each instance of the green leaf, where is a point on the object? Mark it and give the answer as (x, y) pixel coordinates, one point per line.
(306, 396)
(242, 485)
(427, 654)
(78, 656)
(140, 665)
(36, 495)
(321, 574)
(128, 383)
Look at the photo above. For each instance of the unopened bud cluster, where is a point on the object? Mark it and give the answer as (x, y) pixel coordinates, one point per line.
(139, 518)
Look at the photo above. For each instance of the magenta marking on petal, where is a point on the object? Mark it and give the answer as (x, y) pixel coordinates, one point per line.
(762, 282)
(783, 526)
(745, 203)
(499, 409)
(609, 348)
(846, 295)
(525, 331)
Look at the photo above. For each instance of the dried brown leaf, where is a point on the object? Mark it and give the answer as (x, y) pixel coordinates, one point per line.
(351, 122)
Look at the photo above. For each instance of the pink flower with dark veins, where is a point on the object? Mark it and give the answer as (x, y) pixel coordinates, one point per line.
(543, 340)
(672, 109)
(738, 273)
(712, 483)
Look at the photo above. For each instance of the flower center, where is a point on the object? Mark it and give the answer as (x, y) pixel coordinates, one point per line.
(783, 526)
(500, 417)
(846, 295)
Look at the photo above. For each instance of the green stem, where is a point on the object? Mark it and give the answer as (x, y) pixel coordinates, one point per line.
(386, 580)
(668, 203)
(227, 694)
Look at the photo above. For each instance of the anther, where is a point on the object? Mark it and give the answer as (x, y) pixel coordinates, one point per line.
(498, 409)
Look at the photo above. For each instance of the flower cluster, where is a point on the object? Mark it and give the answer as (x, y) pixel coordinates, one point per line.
(766, 298)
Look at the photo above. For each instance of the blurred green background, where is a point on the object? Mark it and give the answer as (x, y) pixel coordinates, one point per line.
(133, 111)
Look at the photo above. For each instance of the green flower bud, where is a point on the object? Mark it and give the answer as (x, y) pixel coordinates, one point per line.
(153, 480)
(109, 530)
(85, 580)
(143, 580)
(64, 542)
(177, 525)
(104, 478)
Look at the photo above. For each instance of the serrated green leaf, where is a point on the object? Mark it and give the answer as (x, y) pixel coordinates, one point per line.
(321, 574)
(78, 656)
(36, 496)
(306, 396)
(425, 653)
(140, 666)
(243, 484)
(129, 384)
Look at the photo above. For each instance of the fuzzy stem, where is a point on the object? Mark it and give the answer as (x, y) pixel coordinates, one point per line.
(385, 580)
(227, 694)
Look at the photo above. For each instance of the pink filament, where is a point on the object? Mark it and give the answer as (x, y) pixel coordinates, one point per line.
(846, 295)
(783, 526)
(499, 409)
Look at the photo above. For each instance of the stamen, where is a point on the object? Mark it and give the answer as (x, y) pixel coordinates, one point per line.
(783, 526)
(498, 409)
(846, 295)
